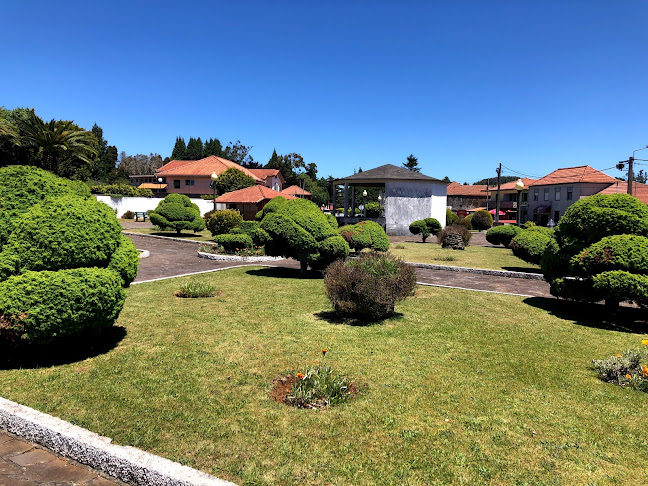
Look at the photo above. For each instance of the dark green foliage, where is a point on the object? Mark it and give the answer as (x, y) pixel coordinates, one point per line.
(412, 164)
(502, 235)
(194, 149)
(253, 229)
(318, 387)
(465, 222)
(61, 233)
(373, 210)
(299, 230)
(482, 220)
(530, 244)
(222, 221)
(179, 150)
(493, 180)
(35, 186)
(234, 242)
(120, 190)
(366, 234)
(595, 255)
(420, 228)
(232, 180)
(176, 211)
(124, 261)
(451, 217)
(368, 287)
(456, 229)
(332, 220)
(433, 225)
(213, 146)
(36, 307)
(128, 215)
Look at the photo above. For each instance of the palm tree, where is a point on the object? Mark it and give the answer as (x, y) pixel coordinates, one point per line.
(53, 139)
(7, 128)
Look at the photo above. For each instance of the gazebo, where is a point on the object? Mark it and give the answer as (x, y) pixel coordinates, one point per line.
(406, 196)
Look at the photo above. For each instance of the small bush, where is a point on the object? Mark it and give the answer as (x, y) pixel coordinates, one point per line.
(465, 222)
(455, 229)
(451, 218)
(223, 221)
(366, 234)
(530, 244)
(128, 215)
(528, 224)
(399, 246)
(194, 289)
(177, 212)
(624, 370)
(234, 242)
(502, 235)
(253, 229)
(482, 220)
(120, 190)
(207, 197)
(318, 387)
(433, 225)
(373, 210)
(419, 228)
(369, 286)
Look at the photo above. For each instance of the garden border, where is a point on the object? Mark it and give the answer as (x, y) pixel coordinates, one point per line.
(482, 271)
(125, 463)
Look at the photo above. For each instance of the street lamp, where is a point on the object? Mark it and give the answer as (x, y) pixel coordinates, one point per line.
(212, 184)
(519, 185)
(160, 182)
(364, 202)
(379, 208)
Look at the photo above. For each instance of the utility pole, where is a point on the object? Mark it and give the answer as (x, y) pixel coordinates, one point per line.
(630, 174)
(497, 196)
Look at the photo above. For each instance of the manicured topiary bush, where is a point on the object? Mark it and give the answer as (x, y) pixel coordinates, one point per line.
(253, 229)
(465, 222)
(482, 220)
(234, 242)
(368, 287)
(502, 235)
(366, 234)
(177, 212)
(433, 225)
(222, 221)
(372, 210)
(451, 217)
(530, 244)
(332, 220)
(425, 227)
(454, 229)
(21, 187)
(587, 262)
(128, 215)
(299, 230)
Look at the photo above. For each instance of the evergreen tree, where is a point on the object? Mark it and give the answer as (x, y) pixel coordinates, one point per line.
(412, 163)
(106, 159)
(179, 150)
(194, 149)
(213, 147)
(239, 153)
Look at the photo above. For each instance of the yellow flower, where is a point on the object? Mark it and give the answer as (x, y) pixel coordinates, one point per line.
(324, 352)
(618, 355)
(628, 377)
(301, 376)
(645, 342)
(644, 370)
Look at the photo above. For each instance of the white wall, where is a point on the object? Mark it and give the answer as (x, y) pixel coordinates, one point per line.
(408, 201)
(143, 204)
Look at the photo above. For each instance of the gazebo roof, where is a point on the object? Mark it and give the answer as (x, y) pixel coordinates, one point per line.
(387, 172)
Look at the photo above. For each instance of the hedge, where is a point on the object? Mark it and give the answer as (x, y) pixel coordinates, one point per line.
(366, 234)
(37, 307)
(618, 252)
(482, 220)
(530, 244)
(222, 221)
(253, 229)
(234, 242)
(502, 235)
(177, 212)
(125, 260)
(120, 190)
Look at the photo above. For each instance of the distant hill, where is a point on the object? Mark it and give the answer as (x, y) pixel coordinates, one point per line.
(493, 180)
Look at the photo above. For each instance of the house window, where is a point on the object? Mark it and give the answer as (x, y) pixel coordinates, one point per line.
(189, 182)
(536, 193)
(570, 190)
(525, 196)
(557, 193)
(546, 194)
(176, 183)
(556, 216)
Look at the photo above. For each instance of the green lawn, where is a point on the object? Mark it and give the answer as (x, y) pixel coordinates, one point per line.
(461, 388)
(496, 258)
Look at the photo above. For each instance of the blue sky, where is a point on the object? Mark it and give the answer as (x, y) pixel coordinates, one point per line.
(462, 85)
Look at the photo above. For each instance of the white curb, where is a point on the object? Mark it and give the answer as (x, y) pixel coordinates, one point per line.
(236, 258)
(127, 464)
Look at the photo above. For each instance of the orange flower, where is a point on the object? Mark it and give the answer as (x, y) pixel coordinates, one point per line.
(645, 342)
(301, 376)
(644, 370)
(618, 355)
(628, 377)
(324, 351)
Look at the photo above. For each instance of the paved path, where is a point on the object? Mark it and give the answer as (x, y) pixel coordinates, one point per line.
(25, 464)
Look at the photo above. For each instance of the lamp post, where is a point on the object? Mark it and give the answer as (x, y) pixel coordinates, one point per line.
(212, 184)
(519, 185)
(160, 183)
(364, 202)
(630, 168)
(379, 208)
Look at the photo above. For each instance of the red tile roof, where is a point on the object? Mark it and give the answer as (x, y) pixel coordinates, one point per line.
(296, 191)
(265, 173)
(640, 191)
(203, 167)
(572, 175)
(456, 189)
(254, 194)
(511, 185)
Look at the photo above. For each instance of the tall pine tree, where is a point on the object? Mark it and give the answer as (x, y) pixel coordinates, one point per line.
(179, 150)
(412, 164)
(194, 149)
(213, 146)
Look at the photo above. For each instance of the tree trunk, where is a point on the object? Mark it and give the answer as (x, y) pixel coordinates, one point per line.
(303, 266)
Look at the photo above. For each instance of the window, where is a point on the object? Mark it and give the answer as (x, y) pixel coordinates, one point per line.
(536, 194)
(546, 194)
(556, 216)
(525, 196)
(570, 190)
(189, 182)
(176, 183)
(557, 193)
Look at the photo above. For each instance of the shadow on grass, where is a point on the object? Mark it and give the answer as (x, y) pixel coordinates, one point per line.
(284, 272)
(62, 351)
(333, 318)
(625, 319)
(522, 269)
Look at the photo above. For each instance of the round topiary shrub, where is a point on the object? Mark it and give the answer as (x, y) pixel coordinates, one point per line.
(253, 229)
(222, 221)
(419, 228)
(454, 236)
(128, 215)
(451, 218)
(177, 212)
(369, 286)
(465, 222)
(502, 235)
(234, 242)
(530, 244)
(366, 234)
(433, 225)
(482, 220)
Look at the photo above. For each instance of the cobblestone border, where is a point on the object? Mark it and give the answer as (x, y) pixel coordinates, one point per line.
(481, 271)
(127, 464)
(236, 258)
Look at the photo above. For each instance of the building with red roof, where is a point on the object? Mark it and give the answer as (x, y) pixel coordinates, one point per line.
(272, 178)
(297, 191)
(248, 201)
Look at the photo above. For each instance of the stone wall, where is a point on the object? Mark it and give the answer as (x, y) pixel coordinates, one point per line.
(407, 201)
